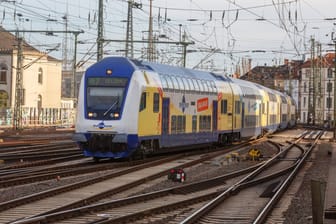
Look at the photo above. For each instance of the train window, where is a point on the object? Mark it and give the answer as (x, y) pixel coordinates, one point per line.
(194, 123)
(156, 102)
(263, 108)
(224, 107)
(181, 124)
(237, 107)
(143, 101)
(173, 124)
(205, 123)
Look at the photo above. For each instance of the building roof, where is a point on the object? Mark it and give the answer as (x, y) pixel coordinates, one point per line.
(326, 61)
(8, 42)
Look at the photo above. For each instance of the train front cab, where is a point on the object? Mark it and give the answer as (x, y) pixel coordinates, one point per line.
(150, 114)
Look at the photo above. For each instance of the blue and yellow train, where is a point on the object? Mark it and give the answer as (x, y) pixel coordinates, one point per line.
(129, 107)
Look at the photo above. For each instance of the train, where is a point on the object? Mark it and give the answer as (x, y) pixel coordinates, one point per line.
(129, 108)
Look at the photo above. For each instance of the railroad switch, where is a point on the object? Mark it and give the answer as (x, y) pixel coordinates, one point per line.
(177, 175)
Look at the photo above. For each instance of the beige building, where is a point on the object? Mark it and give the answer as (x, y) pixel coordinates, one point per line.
(41, 83)
(317, 91)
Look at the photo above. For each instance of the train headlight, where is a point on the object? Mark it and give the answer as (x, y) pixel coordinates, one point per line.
(108, 71)
(92, 114)
(115, 115)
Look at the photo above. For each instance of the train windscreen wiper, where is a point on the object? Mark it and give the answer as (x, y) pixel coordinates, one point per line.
(110, 108)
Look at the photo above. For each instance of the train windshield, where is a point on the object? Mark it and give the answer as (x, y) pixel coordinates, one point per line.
(105, 97)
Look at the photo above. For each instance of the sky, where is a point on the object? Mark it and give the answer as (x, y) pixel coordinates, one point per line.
(225, 34)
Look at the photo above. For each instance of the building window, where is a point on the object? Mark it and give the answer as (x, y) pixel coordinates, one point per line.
(3, 99)
(329, 102)
(40, 76)
(39, 102)
(330, 73)
(3, 73)
(304, 102)
(308, 73)
(304, 87)
(329, 87)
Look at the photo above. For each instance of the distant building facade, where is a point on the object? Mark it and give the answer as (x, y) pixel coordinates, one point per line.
(317, 91)
(41, 77)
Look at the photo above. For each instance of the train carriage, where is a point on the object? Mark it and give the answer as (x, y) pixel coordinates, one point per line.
(129, 107)
(250, 109)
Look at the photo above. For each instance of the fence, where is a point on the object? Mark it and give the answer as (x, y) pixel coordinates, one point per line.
(62, 117)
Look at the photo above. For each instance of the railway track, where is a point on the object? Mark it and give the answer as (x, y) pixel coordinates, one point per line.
(38, 152)
(220, 209)
(180, 203)
(91, 191)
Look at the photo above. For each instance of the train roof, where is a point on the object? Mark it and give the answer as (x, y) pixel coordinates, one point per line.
(180, 71)
(126, 66)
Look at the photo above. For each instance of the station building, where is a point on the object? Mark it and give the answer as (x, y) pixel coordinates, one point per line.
(41, 75)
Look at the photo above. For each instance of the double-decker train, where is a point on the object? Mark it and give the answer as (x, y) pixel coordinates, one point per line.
(128, 107)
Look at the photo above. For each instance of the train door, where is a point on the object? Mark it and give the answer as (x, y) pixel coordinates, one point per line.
(260, 115)
(214, 115)
(165, 116)
(267, 109)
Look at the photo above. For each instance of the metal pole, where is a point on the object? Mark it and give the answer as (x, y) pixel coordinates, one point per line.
(18, 86)
(150, 50)
(100, 31)
(73, 86)
(329, 103)
(334, 90)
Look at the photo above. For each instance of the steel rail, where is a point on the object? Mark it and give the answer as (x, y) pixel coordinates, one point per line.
(270, 205)
(236, 187)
